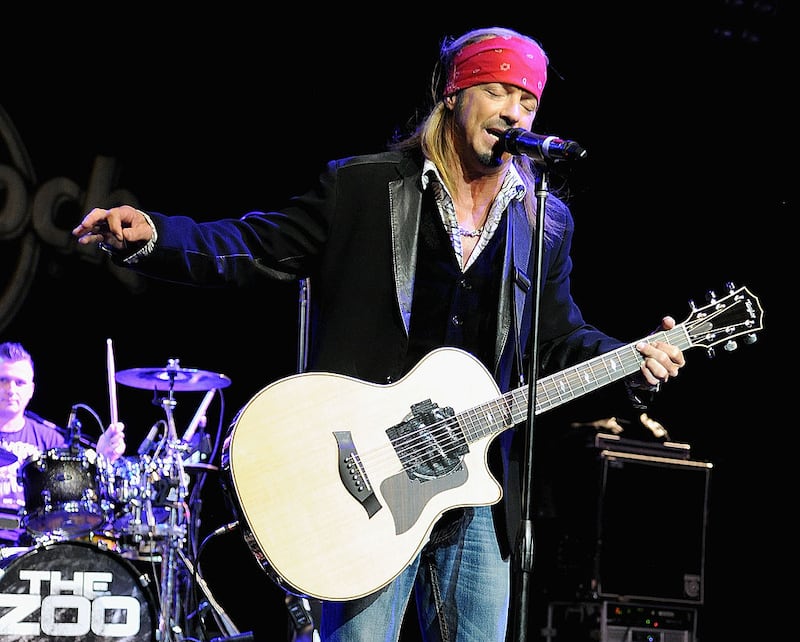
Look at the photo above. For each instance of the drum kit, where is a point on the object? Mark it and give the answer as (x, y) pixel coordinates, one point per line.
(96, 525)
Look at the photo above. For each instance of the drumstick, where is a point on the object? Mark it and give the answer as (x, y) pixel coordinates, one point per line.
(112, 389)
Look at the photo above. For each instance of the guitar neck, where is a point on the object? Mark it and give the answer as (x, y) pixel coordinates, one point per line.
(512, 408)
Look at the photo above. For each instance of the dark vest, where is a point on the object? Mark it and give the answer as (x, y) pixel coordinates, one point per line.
(451, 308)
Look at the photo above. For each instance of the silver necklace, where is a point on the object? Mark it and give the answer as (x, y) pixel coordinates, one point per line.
(470, 233)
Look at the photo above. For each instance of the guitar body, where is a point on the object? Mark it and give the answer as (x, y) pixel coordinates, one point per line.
(308, 530)
(337, 482)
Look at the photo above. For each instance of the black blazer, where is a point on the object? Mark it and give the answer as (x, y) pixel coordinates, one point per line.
(355, 235)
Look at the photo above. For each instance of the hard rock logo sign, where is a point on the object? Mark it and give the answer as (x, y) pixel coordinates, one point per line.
(32, 217)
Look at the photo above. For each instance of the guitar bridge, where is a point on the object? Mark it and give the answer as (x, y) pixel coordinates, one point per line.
(352, 474)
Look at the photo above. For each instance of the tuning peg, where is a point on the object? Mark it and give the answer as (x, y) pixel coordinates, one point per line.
(710, 353)
(730, 287)
(711, 296)
(750, 339)
(731, 345)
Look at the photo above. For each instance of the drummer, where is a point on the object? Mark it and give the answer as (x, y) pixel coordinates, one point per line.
(24, 435)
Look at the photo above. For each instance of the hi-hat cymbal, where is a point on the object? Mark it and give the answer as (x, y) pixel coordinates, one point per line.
(6, 457)
(172, 378)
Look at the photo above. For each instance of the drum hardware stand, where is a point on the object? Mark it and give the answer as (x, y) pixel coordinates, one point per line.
(167, 621)
(173, 378)
(220, 616)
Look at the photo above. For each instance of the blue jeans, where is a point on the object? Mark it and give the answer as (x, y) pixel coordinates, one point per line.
(460, 581)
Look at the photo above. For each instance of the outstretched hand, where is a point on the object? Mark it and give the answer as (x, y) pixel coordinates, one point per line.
(115, 227)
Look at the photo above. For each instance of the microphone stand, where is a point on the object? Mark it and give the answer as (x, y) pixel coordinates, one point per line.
(303, 326)
(524, 552)
(301, 611)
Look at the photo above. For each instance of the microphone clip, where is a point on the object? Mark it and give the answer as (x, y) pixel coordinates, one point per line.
(74, 428)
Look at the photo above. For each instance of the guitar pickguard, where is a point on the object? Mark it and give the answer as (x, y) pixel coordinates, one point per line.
(431, 447)
(407, 497)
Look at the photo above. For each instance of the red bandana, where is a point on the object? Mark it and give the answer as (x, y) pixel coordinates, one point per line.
(506, 59)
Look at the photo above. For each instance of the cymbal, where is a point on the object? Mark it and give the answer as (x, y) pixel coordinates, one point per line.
(172, 378)
(6, 457)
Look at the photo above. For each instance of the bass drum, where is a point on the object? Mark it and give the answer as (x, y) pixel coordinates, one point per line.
(75, 592)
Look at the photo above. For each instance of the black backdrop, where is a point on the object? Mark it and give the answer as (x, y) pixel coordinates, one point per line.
(682, 107)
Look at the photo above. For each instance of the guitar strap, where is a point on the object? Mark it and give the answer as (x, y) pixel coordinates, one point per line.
(519, 236)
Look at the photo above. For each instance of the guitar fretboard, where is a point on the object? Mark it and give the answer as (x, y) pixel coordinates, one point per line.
(512, 408)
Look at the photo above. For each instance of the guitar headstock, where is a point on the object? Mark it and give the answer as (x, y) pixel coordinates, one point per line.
(737, 314)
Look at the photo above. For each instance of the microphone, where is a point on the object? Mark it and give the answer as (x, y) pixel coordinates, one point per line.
(72, 422)
(73, 426)
(198, 416)
(519, 141)
(147, 444)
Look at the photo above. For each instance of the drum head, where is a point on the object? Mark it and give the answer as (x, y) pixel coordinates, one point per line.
(62, 494)
(74, 591)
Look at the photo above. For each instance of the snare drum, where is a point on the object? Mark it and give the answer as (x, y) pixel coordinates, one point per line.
(64, 494)
(74, 591)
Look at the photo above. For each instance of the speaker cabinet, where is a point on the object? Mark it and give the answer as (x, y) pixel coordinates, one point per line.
(628, 524)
